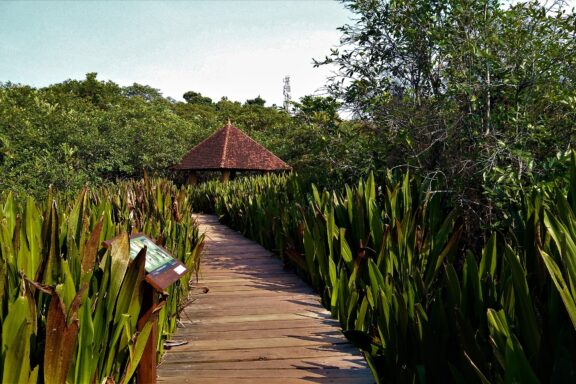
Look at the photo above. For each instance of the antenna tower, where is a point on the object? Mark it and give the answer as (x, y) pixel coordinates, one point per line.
(287, 91)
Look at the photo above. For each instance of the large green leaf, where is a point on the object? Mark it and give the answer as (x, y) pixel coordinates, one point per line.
(565, 240)
(567, 297)
(528, 323)
(17, 330)
(137, 351)
(120, 258)
(489, 258)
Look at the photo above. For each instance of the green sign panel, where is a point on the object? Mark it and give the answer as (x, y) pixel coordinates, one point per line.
(162, 269)
(157, 259)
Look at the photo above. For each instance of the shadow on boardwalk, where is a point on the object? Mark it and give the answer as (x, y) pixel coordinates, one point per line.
(251, 321)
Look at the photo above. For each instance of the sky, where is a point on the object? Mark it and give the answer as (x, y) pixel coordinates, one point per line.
(235, 48)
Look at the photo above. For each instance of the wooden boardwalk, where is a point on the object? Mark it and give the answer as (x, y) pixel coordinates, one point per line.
(253, 322)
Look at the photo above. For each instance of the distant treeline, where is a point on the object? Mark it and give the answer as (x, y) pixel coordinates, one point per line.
(92, 131)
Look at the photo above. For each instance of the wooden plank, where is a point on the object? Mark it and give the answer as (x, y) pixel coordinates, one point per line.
(231, 263)
(251, 281)
(256, 285)
(230, 240)
(311, 332)
(279, 306)
(202, 298)
(267, 380)
(260, 292)
(213, 288)
(231, 297)
(270, 264)
(225, 345)
(218, 273)
(251, 355)
(256, 311)
(236, 280)
(228, 280)
(238, 250)
(256, 327)
(328, 362)
(273, 308)
(261, 317)
(309, 373)
(249, 264)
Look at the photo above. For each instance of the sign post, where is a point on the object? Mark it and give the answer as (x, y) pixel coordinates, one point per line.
(162, 270)
(146, 371)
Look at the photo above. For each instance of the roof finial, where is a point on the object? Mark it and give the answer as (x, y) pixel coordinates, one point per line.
(229, 122)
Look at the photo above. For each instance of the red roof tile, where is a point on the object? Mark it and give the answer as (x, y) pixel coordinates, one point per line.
(230, 148)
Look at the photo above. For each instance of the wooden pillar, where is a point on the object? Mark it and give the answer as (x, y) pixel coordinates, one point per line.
(192, 178)
(225, 176)
(146, 372)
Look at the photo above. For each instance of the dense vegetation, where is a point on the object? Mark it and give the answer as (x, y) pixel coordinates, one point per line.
(389, 262)
(70, 309)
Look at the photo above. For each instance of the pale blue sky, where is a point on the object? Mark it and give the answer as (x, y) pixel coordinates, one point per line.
(234, 48)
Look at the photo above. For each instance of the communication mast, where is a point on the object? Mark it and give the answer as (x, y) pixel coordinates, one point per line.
(287, 97)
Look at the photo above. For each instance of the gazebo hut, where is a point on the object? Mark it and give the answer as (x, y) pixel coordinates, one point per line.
(229, 150)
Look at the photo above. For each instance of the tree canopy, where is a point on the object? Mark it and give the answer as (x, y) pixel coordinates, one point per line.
(475, 95)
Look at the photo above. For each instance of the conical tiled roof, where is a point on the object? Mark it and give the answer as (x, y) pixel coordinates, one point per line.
(231, 149)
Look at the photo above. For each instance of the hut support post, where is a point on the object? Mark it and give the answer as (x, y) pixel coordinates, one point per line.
(225, 176)
(192, 178)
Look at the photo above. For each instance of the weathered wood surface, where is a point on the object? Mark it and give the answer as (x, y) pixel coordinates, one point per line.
(251, 321)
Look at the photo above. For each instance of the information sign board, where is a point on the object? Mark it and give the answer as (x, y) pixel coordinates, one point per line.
(161, 268)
